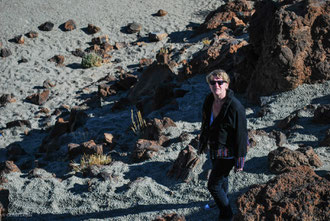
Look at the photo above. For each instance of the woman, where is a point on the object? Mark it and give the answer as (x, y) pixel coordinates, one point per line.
(224, 132)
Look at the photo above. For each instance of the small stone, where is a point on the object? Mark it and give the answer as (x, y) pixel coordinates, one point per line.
(44, 110)
(5, 52)
(78, 52)
(32, 34)
(19, 39)
(23, 60)
(107, 47)
(157, 36)
(120, 45)
(48, 84)
(92, 29)
(134, 27)
(161, 13)
(47, 26)
(101, 40)
(70, 25)
(39, 98)
(7, 98)
(58, 59)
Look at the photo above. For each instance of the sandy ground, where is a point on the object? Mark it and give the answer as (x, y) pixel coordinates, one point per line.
(142, 191)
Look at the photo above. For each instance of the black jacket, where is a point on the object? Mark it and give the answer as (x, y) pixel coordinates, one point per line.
(228, 129)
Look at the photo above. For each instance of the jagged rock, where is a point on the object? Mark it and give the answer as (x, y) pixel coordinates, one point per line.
(8, 167)
(241, 9)
(161, 13)
(109, 139)
(92, 29)
(4, 202)
(134, 27)
(288, 46)
(126, 81)
(279, 137)
(100, 40)
(282, 158)
(90, 147)
(7, 98)
(145, 150)
(70, 25)
(170, 217)
(47, 26)
(32, 34)
(58, 59)
(184, 166)
(326, 140)
(289, 121)
(78, 52)
(5, 52)
(105, 90)
(322, 114)
(296, 194)
(39, 98)
(48, 83)
(18, 123)
(156, 36)
(19, 39)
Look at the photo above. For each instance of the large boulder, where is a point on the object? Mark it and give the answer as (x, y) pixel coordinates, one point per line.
(289, 44)
(298, 194)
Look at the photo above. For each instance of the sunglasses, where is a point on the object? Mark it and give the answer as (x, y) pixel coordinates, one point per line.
(219, 82)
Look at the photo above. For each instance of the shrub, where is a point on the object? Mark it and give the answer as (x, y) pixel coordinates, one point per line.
(138, 124)
(89, 160)
(91, 60)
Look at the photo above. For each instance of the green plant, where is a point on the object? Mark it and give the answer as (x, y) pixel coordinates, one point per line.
(91, 60)
(206, 41)
(89, 160)
(138, 123)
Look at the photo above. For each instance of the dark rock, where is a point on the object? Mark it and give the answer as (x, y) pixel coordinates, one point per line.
(8, 167)
(90, 147)
(5, 52)
(18, 123)
(23, 60)
(69, 25)
(105, 90)
(121, 104)
(134, 27)
(145, 150)
(58, 59)
(279, 137)
(74, 150)
(78, 52)
(4, 202)
(39, 98)
(15, 151)
(171, 217)
(326, 140)
(322, 114)
(32, 34)
(101, 40)
(288, 46)
(7, 98)
(19, 39)
(298, 194)
(161, 13)
(281, 159)
(92, 29)
(157, 36)
(47, 26)
(126, 81)
(184, 165)
(48, 84)
(289, 121)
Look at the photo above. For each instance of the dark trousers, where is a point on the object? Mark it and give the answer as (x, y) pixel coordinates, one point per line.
(218, 185)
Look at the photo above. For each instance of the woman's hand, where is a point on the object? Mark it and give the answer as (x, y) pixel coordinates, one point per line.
(237, 170)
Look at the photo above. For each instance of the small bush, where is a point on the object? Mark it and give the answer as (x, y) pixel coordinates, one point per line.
(90, 160)
(91, 60)
(138, 124)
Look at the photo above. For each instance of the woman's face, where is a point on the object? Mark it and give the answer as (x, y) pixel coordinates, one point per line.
(218, 86)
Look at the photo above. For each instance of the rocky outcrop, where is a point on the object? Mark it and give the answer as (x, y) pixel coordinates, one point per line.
(298, 194)
(289, 43)
(281, 159)
(184, 166)
(145, 150)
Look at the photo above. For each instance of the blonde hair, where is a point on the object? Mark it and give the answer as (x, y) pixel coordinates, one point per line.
(218, 73)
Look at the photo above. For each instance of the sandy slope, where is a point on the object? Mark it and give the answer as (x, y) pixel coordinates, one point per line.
(142, 191)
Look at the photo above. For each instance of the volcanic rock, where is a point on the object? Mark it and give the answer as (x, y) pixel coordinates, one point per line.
(90, 147)
(58, 59)
(4, 202)
(40, 173)
(92, 29)
(161, 13)
(134, 27)
(15, 151)
(19, 39)
(101, 40)
(185, 165)
(47, 26)
(296, 194)
(289, 121)
(18, 123)
(78, 52)
(145, 150)
(155, 36)
(170, 217)
(22, 60)
(7, 98)
(8, 167)
(322, 114)
(48, 83)
(69, 25)
(39, 98)
(326, 140)
(5, 52)
(32, 34)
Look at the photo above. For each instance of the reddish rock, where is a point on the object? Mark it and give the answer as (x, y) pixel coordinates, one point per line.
(105, 90)
(7, 98)
(101, 40)
(163, 57)
(48, 83)
(109, 139)
(184, 166)
(90, 147)
(289, 121)
(126, 81)
(19, 39)
(106, 47)
(120, 45)
(279, 137)
(161, 13)
(32, 34)
(58, 59)
(145, 150)
(288, 46)
(70, 25)
(145, 62)
(4, 202)
(281, 159)
(322, 114)
(326, 140)
(157, 36)
(237, 23)
(5, 52)
(47, 26)
(18, 123)
(39, 98)
(92, 29)
(170, 217)
(8, 167)
(297, 194)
